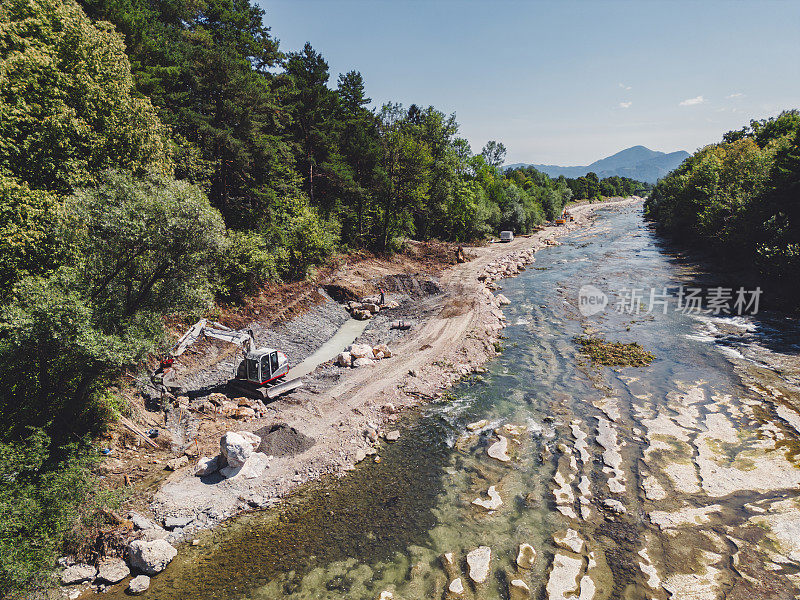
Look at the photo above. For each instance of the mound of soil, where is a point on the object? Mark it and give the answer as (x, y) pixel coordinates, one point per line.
(282, 440)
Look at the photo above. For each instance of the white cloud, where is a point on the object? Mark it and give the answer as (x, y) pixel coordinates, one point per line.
(625, 104)
(693, 101)
(735, 95)
(624, 87)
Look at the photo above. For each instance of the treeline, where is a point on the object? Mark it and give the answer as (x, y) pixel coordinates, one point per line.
(740, 198)
(587, 187)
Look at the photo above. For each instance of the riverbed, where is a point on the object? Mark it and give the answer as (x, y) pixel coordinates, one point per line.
(678, 479)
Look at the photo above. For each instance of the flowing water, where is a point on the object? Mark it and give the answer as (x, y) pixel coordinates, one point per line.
(673, 479)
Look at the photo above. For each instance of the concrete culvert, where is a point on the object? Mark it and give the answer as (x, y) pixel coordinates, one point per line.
(282, 440)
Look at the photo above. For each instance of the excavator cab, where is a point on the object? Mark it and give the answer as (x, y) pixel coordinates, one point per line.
(263, 365)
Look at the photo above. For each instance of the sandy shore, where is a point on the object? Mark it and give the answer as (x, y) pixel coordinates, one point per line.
(454, 340)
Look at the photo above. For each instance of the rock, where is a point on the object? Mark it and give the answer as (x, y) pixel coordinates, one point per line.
(392, 436)
(501, 299)
(373, 308)
(371, 300)
(112, 570)
(569, 540)
(251, 437)
(499, 450)
(235, 448)
(217, 399)
(150, 557)
(157, 533)
(518, 590)
(390, 408)
(352, 305)
(345, 359)
(371, 434)
(228, 408)
(391, 304)
(449, 565)
(361, 314)
(244, 412)
(383, 349)
(615, 506)
(362, 362)
(526, 557)
(478, 425)
(207, 466)
(360, 351)
(177, 522)
(456, 587)
(139, 585)
(178, 462)
(78, 574)
(252, 468)
(493, 503)
(140, 522)
(478, 561)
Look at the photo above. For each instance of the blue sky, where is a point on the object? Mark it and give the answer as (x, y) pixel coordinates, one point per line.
(563, 82)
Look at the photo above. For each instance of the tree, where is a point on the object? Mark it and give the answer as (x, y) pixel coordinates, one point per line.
(67, 108)
(494, 153)
(137, 250)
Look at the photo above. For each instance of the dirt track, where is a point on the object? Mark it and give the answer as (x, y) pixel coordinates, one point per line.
(433, 355)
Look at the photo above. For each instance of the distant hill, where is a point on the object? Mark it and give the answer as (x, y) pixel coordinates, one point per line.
(638, 163)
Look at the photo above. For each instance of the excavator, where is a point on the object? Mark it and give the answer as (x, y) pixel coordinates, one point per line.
(261, 372)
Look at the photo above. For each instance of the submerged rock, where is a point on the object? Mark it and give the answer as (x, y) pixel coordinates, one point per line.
(563, 581)
(526, 557)
(518, 590)
(479, 561)
(139, 585)
(493, 503)
(569, 540)
(456, 588)
(478, 425)
(499, 450)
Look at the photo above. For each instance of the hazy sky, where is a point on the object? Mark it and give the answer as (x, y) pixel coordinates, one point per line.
(563, 82)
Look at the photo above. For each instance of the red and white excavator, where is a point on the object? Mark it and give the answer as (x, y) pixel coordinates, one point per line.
(261, 372)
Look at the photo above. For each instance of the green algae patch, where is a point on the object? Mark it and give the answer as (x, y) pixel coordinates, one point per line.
(614, 354)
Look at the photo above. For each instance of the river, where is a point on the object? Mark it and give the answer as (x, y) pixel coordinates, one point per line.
(679, 478)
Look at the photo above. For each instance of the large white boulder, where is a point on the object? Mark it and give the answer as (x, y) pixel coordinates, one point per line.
(237, 448)
(150, 557)
(382, 349)
(252, 468)
(139, 585)
(499, 450)
(207, 466)
(362, 362)
(478, 561)
(112, 570)
(78, 574)
(493, 503)
(345, 359)
(360, 351)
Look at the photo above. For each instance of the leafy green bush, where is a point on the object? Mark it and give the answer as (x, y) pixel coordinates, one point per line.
(40, 500)
(247, 263)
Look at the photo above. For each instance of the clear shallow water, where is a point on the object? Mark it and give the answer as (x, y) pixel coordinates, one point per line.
(681, 434)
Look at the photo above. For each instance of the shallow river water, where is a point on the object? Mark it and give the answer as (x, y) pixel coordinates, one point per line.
(674, 480)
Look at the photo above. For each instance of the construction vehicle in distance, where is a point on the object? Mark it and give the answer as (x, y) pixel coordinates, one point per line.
(260, 373)
(562, 220)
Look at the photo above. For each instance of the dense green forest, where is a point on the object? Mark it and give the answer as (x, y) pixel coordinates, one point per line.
(740, 198)
(158, 156)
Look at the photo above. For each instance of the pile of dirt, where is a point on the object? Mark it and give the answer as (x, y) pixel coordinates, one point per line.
(282, 440)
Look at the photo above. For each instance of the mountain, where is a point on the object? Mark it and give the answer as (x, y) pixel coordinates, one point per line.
(638, 163)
